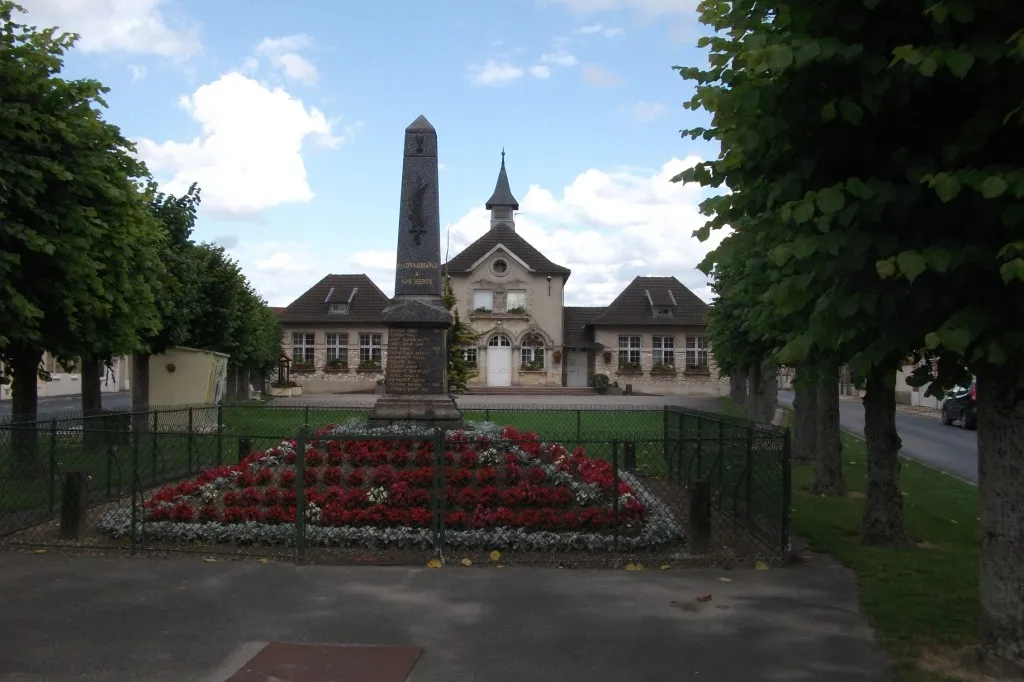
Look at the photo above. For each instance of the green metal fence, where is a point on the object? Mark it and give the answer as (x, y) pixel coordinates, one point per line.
(546, 484)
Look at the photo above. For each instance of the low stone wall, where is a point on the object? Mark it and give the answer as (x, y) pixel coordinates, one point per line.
(349, 381)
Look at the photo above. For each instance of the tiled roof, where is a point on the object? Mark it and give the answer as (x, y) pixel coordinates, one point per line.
(634, 305)
(507, 237)
(574, 326)
(366, 301)
(277, 310)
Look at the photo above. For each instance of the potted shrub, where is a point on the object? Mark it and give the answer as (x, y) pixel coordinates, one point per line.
(482, 310)
(518, 310)
(607, 357)
(285, 389)
(535, 366)
(615, 389)
(601, 383)
(336, 365)
(369, 366)
(629, 367)
(556, 357)
(697, 369)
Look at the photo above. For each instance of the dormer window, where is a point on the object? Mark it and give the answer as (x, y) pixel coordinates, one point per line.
(663, 312)
(338, 309)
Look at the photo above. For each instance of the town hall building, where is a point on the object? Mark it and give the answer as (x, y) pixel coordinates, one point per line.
(652, 335)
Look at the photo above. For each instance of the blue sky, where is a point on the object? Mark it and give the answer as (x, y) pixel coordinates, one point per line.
(290, 117)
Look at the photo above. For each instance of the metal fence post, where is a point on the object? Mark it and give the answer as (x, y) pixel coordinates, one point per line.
(52, 469)
(153, 445)
(700, 447)
(615, 494)
(721, 458)
(579, 430)
(191, 443)
(135, 488)
(220, 437)
(300, 496)
(679, 449)
(305, 415)
(749, 470)
(787, 490)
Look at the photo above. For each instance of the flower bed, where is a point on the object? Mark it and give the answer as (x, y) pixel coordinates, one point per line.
(502, 489)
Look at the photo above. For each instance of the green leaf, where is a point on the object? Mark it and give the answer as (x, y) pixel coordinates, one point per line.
(908, 54)
(946, 186)
(1012, 270)
(886, 268)
(932, 340)
(803, 212)
(852, 112)
(859, 188)
(993, 186)
(848, 307)
(828, 112)
(830, 201)
(780, 57)
(780, 254)
(938, 259)
(956, 339)
(911, 264)
(959, 63)
(928, 66)
(807, 52)
(995, 353)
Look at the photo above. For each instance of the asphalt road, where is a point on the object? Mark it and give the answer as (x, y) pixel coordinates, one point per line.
(948, 448)
(71, 405)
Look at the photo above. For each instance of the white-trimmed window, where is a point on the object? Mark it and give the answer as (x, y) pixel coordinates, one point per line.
(532, 352)
(696, 352)
(515, 299)
(337, 348)
(664, 350)
(469, 355)
(483, 300)
(629, 351)
(302, 347)
(369, 348)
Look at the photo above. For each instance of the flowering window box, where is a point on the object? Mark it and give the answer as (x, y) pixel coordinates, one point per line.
(660, 368)
(336, 368)
(370, 367)
(503, 488)
(630, 368)
(302, 367)
(698, 369)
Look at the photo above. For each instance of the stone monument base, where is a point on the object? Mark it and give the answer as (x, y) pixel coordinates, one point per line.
(435, 411)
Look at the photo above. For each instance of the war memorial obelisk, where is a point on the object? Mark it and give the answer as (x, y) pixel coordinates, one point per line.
(416, 373)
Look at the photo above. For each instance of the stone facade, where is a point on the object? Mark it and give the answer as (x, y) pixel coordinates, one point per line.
(682, 381)
(321, 379)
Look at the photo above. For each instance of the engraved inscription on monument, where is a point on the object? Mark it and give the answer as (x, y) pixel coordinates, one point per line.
(413, 367)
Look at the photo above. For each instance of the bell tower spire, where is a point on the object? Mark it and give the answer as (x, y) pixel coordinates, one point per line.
(502, 204)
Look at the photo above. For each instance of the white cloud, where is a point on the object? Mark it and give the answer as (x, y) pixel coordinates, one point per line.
(248, 156)
(138, 72)
(649, 8)
(609, 32)
(645, 112)
(283, 54)
(495, 74)
(607, 227)
(133, 26)
(598, 75)
(540, 71)
(559, 58)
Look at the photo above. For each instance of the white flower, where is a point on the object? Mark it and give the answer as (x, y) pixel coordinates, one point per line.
(377, 495)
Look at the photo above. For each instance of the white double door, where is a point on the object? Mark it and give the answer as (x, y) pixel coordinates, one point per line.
(499, 361)
(576, 368)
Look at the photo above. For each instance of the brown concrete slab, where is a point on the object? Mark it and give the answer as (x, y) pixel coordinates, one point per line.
(279, 661)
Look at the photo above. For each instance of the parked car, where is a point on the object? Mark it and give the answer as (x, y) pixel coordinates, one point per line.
(961, 406)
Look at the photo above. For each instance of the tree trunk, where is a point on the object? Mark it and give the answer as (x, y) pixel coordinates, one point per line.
(92, 402)
(1001, 523)
(804, 428)
(769, 391)
(738, 387)
(25, 461)
(883, 509)
(754, 395)
(140, 393)
(828, 455)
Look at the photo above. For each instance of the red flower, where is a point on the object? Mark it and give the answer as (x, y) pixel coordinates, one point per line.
(486, 475)
(251, 495)
(398, 493)
(332, 476)
(423, 477)
(355, 479)
(271, 496)
(209, 513)
(381, 476)
(182, 512)
(314, 458)
(252, 514)
(458, 477)
(160, 514)
(233, 514)
(535, 475)
(264, 476)
(288, 478)
(455, 519)
(275, 515)
(418, 496)
(420, 516)
(399, 457)
(424, 456)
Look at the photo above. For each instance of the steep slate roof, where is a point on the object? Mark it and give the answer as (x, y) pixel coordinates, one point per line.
(574, 326)
(510, 239)
(366, 301)
(502, 192)
(277, 310)
(632, 306)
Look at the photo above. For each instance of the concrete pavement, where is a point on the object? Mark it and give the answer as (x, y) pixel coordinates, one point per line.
(71, 405)
(102, 618)
(926, 440)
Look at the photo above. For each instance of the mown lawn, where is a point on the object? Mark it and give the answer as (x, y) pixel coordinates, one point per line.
(922, 599)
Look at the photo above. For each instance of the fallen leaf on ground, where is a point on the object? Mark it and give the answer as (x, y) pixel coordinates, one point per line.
(721, 606)
(723, 579)
(434, 563)
(499, 565)
(665, 567)
(264, 560)
(209, 559)
(760, 565)
(634, 567)
(40, 551)
(706, 597)
(466, 562)
(495, 555)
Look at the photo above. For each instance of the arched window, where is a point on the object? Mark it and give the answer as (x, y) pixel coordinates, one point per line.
(532, 349)
(499, 340)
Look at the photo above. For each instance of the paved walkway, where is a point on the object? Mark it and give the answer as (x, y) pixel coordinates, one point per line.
(181, 620)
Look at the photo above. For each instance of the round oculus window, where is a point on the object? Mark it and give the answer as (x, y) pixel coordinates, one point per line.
(500, 267)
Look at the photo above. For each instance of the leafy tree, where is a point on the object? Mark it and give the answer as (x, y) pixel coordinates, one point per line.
(896, 213)
(74, 220)
(459, 336)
